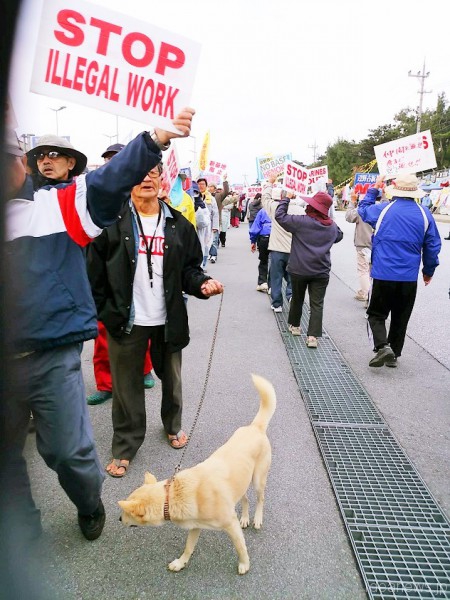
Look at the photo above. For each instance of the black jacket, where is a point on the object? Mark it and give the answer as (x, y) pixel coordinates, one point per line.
(112, 263)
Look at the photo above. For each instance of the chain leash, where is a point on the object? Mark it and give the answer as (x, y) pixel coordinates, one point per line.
(205, 385)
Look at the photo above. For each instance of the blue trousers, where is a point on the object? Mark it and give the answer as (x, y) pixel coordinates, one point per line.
(50, 384)
(215, 244)
(278, 264)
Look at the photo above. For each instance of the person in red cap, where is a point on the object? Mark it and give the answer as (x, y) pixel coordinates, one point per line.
(309, 264)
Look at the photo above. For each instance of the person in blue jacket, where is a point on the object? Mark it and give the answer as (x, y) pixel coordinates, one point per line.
(405, 234)
(51, 216)
(259, 233)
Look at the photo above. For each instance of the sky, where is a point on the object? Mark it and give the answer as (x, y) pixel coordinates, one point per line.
(273, 77)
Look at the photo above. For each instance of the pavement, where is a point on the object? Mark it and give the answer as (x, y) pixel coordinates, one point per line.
(302, 550)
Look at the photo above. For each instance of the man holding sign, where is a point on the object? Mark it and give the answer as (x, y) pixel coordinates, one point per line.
(53, 313)
(404, 233)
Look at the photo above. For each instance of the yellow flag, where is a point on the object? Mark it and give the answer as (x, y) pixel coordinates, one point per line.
(202, 162)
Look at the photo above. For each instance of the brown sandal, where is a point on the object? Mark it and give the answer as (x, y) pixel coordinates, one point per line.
(178, 441)
(119, 463)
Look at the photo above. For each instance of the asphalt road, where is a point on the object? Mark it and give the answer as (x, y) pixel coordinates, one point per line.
(302, 550)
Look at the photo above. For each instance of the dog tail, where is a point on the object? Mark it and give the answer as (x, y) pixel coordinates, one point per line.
(268, 402)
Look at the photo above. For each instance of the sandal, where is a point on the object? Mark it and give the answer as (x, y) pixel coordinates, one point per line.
(115, 465)
(178, 441)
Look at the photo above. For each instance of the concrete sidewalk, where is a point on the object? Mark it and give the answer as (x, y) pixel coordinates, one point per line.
(302, 550)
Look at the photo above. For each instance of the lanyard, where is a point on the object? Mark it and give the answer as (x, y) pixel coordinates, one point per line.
(148, 250)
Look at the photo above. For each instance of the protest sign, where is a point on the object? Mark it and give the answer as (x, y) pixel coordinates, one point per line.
(269, 166)
(214, 172)
(171, 169)
(363, 181)
(317, 173)
(109, 61)
(406, 155)
(187, 183)
(252, 190)
(295, 178)
(238, 188)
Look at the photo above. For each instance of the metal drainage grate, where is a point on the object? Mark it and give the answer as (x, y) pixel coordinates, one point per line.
(400, 536)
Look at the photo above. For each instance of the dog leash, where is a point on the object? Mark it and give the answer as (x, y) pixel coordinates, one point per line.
(205, 385)
(166, 509)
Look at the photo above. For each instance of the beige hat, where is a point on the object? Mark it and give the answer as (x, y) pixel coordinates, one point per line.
(61, 145)
(405, 186)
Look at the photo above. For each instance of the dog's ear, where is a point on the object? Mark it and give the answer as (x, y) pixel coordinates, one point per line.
(149, 478)
(132, 507)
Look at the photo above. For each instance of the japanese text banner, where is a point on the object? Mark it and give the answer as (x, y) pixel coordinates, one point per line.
(410, 154)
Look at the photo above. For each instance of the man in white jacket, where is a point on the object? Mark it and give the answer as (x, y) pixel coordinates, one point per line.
(279, 242)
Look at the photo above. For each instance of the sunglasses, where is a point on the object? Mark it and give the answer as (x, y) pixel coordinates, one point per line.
(52, 155)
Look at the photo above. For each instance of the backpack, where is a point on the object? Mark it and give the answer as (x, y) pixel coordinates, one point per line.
(202, 218)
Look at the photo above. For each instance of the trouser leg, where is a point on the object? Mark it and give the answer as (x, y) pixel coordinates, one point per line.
(172, 396)
(363, 269)
(128, 407)
(402, 307)
(102, 370)
(263, 249)
(214, 244)
(299, 285)
(64, 436)
(276, 277)
(378, 310)
(317, 287)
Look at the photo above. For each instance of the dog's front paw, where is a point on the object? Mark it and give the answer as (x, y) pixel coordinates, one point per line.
(176, 565)
(257, 523)
(244, 521)
(243, 568)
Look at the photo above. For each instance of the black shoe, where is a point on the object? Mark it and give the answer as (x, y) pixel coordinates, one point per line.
(448, 237)
(92, 525)
(383, 356)
(391, 362)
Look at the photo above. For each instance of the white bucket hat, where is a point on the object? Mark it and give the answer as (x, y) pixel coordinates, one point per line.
(405, 186)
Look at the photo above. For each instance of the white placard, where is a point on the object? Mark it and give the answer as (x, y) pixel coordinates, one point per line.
(295, 177)
(410, 154)
(94, 56)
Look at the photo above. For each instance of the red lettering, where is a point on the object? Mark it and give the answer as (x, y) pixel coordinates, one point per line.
(79, 74)
(288, 170)
(169, 103)
(77, 37)
(425, 142)
(105, 30)
(149, 52)
(150, 86)
(104, 81)
(66, 82)
(114, 95)
(169, 56)
(134, 88)
(91, 82)
(55, 79)
(159, 97)
(49, 65)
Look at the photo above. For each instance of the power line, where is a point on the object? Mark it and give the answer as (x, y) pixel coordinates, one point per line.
(314, 147)
(422, 76)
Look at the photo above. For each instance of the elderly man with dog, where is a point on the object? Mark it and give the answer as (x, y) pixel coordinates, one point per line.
(51, 218)
(404, 234)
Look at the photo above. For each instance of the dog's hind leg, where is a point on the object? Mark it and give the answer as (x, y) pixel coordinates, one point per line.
(245, 516)
(237, 537)
(259, 482)
(191, 542)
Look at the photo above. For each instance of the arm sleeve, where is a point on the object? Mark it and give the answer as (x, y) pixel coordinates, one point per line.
(368, 210)
(255, 229)
(351, 215)
(431, 247)
(286, 221)
(109, 186)
(268, 204)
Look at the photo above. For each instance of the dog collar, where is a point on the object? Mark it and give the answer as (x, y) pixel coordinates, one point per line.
(166, 501)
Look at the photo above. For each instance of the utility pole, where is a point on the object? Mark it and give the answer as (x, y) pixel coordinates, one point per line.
(245, 179)
(314, 147)
(422, 76)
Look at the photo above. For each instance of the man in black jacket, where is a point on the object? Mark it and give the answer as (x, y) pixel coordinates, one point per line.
(139, 268)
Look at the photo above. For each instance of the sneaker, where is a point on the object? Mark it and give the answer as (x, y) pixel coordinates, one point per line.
(149, 382)
(92, 525)
(361, 297)
(262, 287)
(391, 362)
(294, 330)
(98, 397)
(311, 341)
(276, 309)
(383, 356)
(213, 259)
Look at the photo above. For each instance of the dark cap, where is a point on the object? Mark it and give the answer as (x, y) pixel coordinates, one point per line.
(11, 143)
(114, 149)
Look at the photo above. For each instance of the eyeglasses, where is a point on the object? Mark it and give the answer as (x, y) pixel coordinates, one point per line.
(53, 155)
(154, 174)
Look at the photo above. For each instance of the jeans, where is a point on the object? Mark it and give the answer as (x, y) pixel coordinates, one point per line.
(215, 244)
(278, 263)
(263, 267)
(316, 286)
